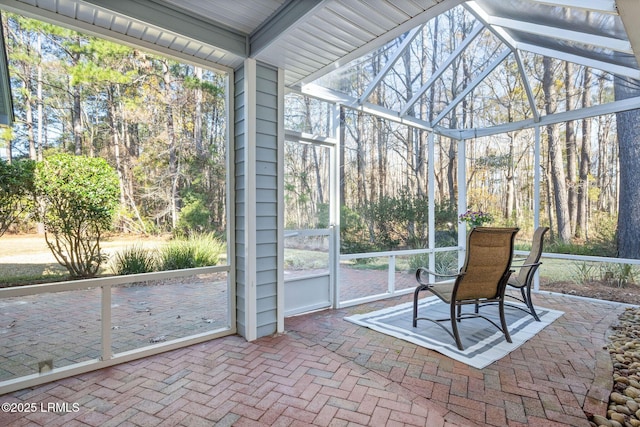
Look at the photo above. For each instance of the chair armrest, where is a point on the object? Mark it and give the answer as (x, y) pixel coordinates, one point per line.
(420, 271)
(527, 265)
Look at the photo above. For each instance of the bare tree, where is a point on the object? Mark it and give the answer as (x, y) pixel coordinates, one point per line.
(628, 123)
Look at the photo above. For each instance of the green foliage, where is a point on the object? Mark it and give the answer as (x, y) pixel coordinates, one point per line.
(394, 222)
(79, 196)
(591, 247)
(582, 272)
(134, 260)
(194, 216)
(199, 250)
(445, 262)
(16, 191)
(619, 274)
(353, 233)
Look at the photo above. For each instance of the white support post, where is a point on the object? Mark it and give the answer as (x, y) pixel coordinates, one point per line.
(536, 195)
(431, 197)
(334, 206)
(250, 227)
(462, 199)
(280, 223)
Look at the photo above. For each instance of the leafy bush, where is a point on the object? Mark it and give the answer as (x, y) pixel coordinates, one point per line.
(194, 216)
(619, 274)
(16, 191)
(446, 262)
(134, 260)
(583, 272)
(79, 196)
(197, 251)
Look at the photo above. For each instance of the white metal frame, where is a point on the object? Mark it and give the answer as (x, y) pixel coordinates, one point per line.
(106, 284)
(333, 232)
(107, 358)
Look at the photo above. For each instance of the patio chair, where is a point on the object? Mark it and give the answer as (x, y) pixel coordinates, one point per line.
(524, 277)
(482, 279)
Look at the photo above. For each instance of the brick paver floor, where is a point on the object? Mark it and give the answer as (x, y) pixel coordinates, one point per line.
(326, 371)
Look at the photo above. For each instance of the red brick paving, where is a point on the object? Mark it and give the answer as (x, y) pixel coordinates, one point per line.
(328, 372)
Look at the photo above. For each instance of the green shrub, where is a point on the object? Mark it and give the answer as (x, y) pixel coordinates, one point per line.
(16, 191)
(78, 199)
(194, 216)
(445, 263)
(582, 272)
(199, 250)
(619, 274)
(134, 260)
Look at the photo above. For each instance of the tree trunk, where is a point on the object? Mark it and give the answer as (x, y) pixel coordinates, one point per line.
(76, 113)
(197, 125)
(582, 219)
(511, 191)
(570, 144)
(39, 148)
(171, 140)
(556, 160)
(628, 123)
(115, 143)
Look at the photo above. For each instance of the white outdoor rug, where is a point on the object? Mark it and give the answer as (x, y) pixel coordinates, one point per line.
(483, 343)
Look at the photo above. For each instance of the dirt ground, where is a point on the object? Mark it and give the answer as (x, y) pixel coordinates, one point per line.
(602, 290)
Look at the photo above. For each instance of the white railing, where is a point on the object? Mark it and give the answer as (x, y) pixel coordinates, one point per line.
(107, 357)
(391, 256)
(392, 291)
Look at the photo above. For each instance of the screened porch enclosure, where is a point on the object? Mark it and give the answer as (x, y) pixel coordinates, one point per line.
(359, 133)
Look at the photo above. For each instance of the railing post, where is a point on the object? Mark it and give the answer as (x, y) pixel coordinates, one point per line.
(392, 274)
(107, 352)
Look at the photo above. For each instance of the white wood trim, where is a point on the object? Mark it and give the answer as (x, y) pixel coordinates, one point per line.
(280, 191)
(250, 227)
(231, 200)
(112, 36)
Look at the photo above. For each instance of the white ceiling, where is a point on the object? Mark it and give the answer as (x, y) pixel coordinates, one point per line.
(311, 38)
(305, 37)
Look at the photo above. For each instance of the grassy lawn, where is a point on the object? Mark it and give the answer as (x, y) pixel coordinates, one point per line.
(26, 259)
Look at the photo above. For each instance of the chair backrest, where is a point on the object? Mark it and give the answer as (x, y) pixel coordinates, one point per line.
(534, 255)
(487, 262)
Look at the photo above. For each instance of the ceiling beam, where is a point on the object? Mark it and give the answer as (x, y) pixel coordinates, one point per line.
(602, 6)
(562, 34)
(290, 14)
(390, 62)
(475, 82)
(527, 87)
(441, 69)
(179, 22)
(421, 18)
(629, 11)
(581, 60)
(330, 95)
(562, 117)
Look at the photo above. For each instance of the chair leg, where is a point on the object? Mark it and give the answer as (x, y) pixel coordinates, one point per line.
(454, 324)
(415, 305)
(503, 321)
(527, 300)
